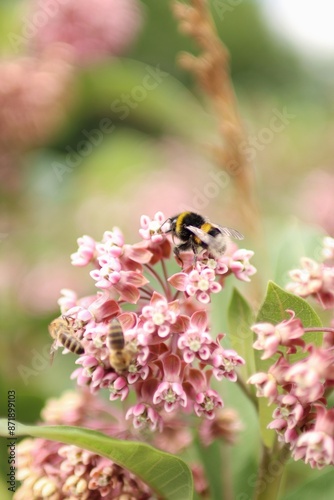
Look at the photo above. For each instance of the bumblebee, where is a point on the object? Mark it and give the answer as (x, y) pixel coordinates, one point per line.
(197, 233)
(120, 355)
(61, 331)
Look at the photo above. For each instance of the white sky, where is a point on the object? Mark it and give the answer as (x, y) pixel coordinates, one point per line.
(308, 24)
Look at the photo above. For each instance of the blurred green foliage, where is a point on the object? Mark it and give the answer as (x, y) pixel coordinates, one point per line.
(45, 216)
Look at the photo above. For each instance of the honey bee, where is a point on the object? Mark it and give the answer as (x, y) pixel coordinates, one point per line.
(63, 332)
(120, 355)
(197, 233)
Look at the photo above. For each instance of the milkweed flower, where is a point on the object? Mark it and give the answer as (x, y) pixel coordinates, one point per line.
(199, 283)
(313, 279)
(170, 352)
(225, 425)
(196, 340)
(33, 98)
(328, 249)
(297, 388)
(160, 316)
(287, 333)
(238, 263)
(91, 34)
(52, 470)
(150, 228)
(316, 446)
(225, 362)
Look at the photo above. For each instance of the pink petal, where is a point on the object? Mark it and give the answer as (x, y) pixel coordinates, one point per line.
(129, 293)
(179, 281)
(203, 297)
(135, 278)
(138, 254)
(199, 320)
(172, 367)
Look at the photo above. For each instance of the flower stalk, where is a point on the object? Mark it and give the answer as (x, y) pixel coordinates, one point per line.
(212, 72)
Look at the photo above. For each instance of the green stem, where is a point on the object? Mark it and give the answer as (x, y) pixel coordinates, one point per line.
(247, 392)
(271, 472)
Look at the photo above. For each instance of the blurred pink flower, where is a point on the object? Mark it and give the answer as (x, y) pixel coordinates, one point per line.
(308, 374)
(313, 279)
(175, 436)
(316, 446)
(48, 469)
(201, 484)
(45, 278)
(92, 31)
(225, 425)
(85, 252)
(34, 94)
(328, 249)
(316, 202)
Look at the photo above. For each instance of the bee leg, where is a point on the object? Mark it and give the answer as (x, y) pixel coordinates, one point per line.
(181, 248)
(194, 249)
(52, 352)
(177, 255)
(67, 319)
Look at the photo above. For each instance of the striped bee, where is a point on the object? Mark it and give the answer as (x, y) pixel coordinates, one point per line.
(120, 355)
(63, 332)
(197, 233)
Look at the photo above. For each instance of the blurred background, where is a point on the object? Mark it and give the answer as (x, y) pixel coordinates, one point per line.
(99, 125)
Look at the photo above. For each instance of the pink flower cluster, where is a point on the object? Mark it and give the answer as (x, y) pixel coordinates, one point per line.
(51, 470)
(33, 97)
(299, 389)
(36, 87)
(316, 279)
(91, 32)
(172, 356)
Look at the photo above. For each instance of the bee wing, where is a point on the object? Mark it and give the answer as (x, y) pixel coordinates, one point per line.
(208, 239)
(228, 231)
(202, 235)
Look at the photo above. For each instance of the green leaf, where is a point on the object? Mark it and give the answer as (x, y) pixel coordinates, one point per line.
(278, 300)
(167, 475)
(240, 319)
(321, 488)
(273, 310)
(4, 493)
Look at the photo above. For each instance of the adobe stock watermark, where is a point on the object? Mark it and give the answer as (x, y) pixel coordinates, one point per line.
(223, 7)
(249, 148)
(219, 179)
(255, 143)
(274, 469)
(39, 362)
(47, 10)
(122, 107)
